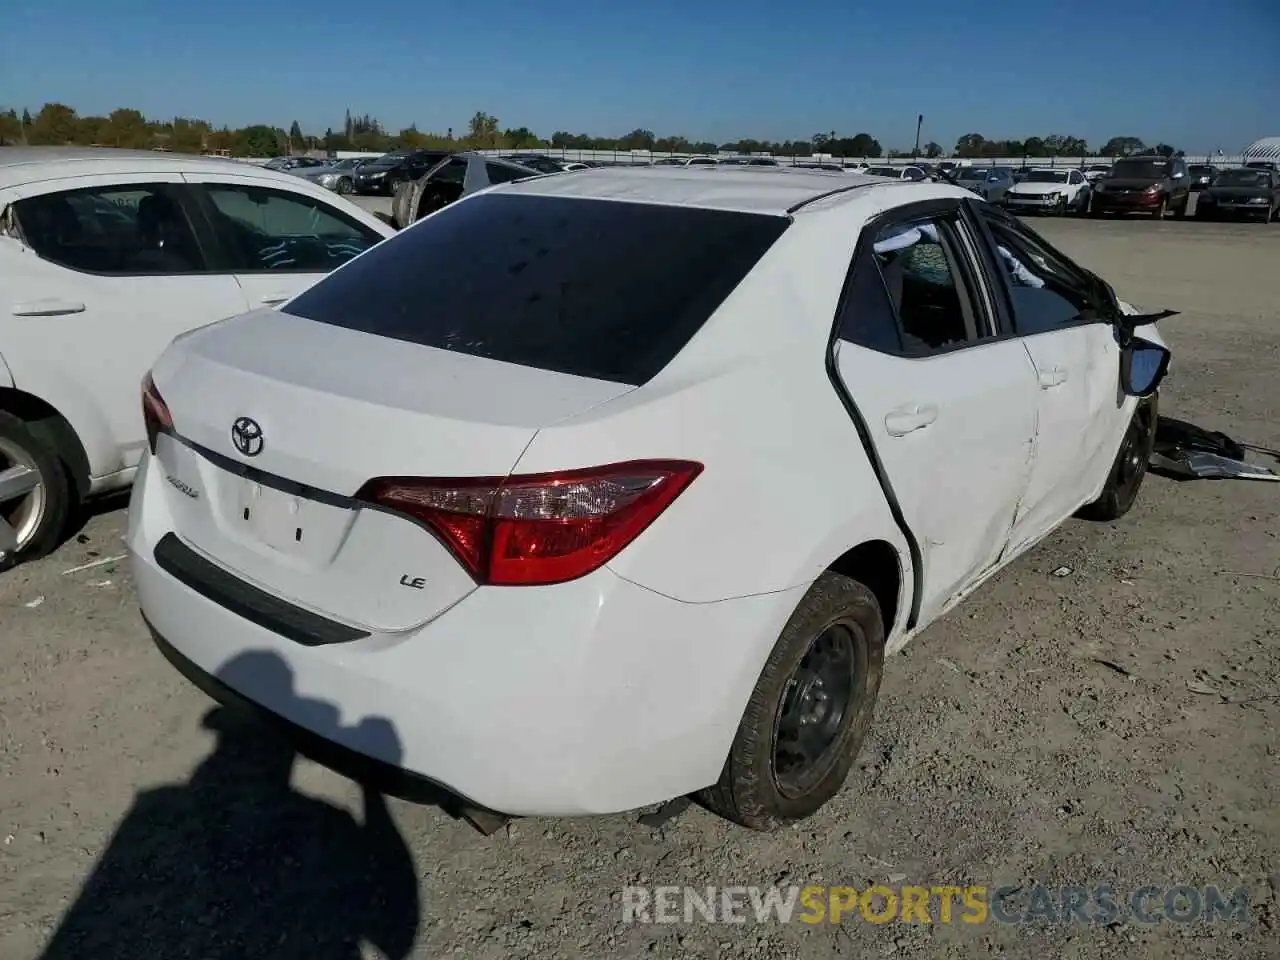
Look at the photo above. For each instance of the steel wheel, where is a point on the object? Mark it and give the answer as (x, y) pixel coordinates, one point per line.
(23, 499)
(819, 695)
(1131, 462)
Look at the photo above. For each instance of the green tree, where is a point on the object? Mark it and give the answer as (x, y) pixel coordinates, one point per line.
(1166, 151)
(638, 139)
(10, 127)
(1122, 147)
(970, 145)
(55, 125)
(258, 140)
(483, 130)
(932, 150)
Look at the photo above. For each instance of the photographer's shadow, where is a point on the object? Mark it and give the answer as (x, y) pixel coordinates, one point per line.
(235, 863)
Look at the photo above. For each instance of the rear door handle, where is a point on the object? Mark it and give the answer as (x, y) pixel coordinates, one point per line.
(1053, 377)
(912, 417)
(272, 299)
(48, 307)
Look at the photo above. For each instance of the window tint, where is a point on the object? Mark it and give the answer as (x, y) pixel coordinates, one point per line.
(455, 171)
(919, 262)
(500, 174)
(265, 229)
(124, 230)
(604, 289)
(1046, 291)
(867, 314)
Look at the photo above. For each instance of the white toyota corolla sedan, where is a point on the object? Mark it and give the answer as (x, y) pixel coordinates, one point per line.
(589, 492)
(105, 256)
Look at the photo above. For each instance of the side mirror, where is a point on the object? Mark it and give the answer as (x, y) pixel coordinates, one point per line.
(1143, 365)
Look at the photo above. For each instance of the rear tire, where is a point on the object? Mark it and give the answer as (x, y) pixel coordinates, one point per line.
(31, 522)
(816, 695)
(1130, 466)
(344, 186)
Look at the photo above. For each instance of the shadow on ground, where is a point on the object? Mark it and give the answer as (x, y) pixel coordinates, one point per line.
(235, 863)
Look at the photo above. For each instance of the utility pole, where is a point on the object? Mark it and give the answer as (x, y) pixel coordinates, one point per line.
(919, 123)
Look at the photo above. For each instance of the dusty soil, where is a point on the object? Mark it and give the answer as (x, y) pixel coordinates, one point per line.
(1116, 725)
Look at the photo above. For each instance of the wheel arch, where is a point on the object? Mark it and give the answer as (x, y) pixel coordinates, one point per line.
(877, 565)
(54, 429)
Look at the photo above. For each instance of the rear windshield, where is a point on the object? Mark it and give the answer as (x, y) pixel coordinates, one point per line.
(594, 288)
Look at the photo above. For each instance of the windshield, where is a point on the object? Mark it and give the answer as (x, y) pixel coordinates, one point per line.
(1045, 176)
(606, 289)
(1199, 170)
(1151, 169)
(883, 172)
(972, 173)
(1243, 178)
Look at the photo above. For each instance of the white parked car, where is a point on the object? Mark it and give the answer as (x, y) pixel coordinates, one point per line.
(105, 256)
(1046, 190)
(585, 493)
(913, 173)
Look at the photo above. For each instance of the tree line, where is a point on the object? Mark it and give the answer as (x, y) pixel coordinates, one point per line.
(58, 124)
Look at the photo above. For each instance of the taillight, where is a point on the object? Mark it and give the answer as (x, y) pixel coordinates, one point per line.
(539, 528)
(155, 412)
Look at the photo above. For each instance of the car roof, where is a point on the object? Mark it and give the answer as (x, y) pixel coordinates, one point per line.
(20, 165)
(770, 190)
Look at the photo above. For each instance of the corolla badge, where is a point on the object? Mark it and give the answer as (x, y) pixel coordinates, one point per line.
(246, 434)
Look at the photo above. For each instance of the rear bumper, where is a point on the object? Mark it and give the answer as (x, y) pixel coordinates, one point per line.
(594, 696)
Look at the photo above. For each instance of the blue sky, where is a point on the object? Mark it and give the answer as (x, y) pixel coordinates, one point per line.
(1197, 75)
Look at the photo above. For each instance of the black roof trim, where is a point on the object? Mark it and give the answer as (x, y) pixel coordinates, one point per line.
(830, 193)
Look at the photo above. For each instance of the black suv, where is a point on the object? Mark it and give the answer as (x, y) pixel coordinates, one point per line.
(1147, 184)
(380, 176)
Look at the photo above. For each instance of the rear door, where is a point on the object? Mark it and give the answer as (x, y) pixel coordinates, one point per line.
(118, 266)
(948, 401)
(1079, 410)
(277, 242)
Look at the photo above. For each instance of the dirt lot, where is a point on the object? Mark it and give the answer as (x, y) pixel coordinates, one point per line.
(1116, 725)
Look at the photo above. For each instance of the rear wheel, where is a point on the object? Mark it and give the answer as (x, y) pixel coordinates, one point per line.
(1129, 468)
(35, 494)
(344, 186)
(809, 712)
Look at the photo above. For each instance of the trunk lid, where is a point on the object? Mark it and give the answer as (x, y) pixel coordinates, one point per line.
(332, 408)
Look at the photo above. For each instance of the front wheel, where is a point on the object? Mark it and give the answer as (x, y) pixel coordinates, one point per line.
(809, 712)
(1129, 468)
(344, 186)
(35, 494)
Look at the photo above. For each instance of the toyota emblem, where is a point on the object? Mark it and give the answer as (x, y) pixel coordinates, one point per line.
(246, 434)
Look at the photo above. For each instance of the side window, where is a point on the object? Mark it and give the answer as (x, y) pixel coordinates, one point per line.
(1076, 177)
(1045, 291)
(866, 315)
(910, 294)
(264, 229)
(500, 174)
(455, 171)
(127, 230)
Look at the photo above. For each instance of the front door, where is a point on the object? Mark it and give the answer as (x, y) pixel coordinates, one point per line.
(278, 242)
(116, 267)
(949, 406)
(1079, 408)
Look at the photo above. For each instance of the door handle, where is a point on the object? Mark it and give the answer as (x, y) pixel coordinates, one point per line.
(48, 307)
(1053, 377)
(913, 417)
(272, 299)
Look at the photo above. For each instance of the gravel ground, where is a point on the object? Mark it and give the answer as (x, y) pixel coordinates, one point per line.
(1116, 725)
